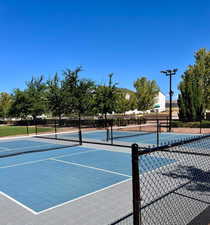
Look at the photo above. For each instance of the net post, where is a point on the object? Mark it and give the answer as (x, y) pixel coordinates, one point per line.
(35, 123)
(200, 126)
(107, 130)
(80, 137)
(158, 134)
(80, 132)
(136, 186)
(27, 130)
(140, 124)
(111, 125)
(167, 124)
(55, 128)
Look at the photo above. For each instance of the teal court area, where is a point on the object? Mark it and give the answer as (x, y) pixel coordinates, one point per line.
(44, 180)
(139, 137)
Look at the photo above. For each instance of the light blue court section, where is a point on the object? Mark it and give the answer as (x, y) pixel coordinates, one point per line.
(145, 138)
(116, 161)
(50, 183)
(33, 157)
(152, 138)
(44, 180)
(17, 146)
(149, 138)
(97, 135)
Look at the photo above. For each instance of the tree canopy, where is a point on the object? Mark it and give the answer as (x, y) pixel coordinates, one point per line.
(71, 95)
(105, 97)
(146, 91)
(194, 97)
(20, 106)
(77, 92)
(5, 104)
(55, 96)
(36, 93)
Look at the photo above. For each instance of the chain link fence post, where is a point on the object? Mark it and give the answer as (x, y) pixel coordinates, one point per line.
(136, 186)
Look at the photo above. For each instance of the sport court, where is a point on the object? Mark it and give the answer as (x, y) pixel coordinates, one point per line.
(48, 179)
(129, 137)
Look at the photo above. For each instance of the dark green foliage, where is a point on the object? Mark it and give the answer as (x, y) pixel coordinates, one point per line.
(122, 102)
(36, 93)
(5, 104)
(126, 100)
(146, 91)
(105, 98)
(78, 93)
(21, 104)
(194, 88)
(196, 124)
(55, 96)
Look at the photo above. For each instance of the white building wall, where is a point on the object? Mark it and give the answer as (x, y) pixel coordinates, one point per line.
(160, 100)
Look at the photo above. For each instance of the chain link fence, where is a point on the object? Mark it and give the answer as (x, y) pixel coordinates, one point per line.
(171, 184)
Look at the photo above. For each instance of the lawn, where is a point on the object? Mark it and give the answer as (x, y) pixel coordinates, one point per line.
(20, 130)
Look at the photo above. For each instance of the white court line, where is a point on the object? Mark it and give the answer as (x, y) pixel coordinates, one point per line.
(17, 137)
(35, 146)
(90, 167)
(40, 160)
(4, 149)
(19, 203)
(83, 196)
(41, 135)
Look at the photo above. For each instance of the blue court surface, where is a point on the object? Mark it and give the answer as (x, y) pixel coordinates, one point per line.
(138, 137)
(44, 180)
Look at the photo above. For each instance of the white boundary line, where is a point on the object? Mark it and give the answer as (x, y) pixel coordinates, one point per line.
(19, 203)
(16, 137)
(40, 160)
(56, 206)
(83, 196)
(4, 149)
(90, 167)
(89, 194)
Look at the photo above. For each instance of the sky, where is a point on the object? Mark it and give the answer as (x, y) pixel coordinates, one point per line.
(130, 38)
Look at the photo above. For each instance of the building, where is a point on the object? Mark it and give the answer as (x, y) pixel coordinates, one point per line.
(159, 106)
(160, 102)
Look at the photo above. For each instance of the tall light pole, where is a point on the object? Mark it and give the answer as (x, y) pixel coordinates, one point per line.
(170, 73)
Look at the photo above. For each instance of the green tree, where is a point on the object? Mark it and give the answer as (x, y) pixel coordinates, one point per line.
(78, 93)
(55, 96)
(146, 91)
(122, 102)
(105, 98)
(5, 104)
(125, 101)
(36, 93)
(194, 88)
(20, 104)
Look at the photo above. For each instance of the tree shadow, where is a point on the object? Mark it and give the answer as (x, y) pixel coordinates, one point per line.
(196, 179)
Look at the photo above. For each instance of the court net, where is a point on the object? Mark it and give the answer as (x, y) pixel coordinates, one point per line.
(17, 146)
(132, 131)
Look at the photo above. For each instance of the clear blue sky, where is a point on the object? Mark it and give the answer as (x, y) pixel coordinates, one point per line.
(130, 38)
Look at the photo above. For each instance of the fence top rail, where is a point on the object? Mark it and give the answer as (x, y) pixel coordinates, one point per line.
(171, 144)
